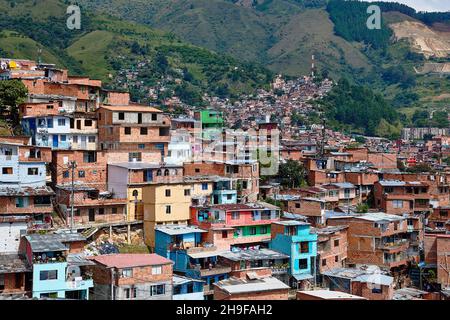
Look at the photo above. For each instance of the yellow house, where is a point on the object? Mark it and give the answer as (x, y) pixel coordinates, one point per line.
(169, 204)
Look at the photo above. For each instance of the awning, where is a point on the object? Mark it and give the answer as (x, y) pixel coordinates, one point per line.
(204, 254)
(300, 277)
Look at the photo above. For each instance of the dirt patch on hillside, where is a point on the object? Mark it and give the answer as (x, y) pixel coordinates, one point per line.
(423, 39)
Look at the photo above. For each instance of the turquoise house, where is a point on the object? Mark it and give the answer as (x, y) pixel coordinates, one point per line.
(223, 193)
(294, 238)
(57, 273)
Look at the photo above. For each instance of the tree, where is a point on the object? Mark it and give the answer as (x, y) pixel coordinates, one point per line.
(12, 93)
(291, 174)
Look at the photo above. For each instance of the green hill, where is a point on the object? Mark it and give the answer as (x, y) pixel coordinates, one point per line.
(123, 54)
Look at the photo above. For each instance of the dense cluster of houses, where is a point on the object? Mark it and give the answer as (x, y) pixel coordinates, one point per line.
(90, 159)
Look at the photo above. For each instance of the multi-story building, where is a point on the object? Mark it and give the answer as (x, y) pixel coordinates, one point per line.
(24, 194)
(14, 272)
(295, 239)
(135, 128)
(59, 270)
(332, 246)
(402, 197)
(132, 277)
(375, 238)
(192, 257)
(185, 288)
(236, 225)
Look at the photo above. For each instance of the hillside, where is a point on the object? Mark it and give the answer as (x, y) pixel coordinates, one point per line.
(281, 34)
(123, 54)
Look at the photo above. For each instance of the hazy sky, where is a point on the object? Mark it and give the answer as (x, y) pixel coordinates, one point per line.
(425, 5)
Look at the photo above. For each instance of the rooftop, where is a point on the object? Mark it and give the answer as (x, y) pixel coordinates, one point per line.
(246, 255)
(128, 260)
(235, 285)
(331, 295)
(176, 229)
(12, 263)
(371, 274)
(131, 108)
(52, 241)
(143, 165)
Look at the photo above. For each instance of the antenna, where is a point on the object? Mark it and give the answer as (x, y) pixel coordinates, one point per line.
(39, 51)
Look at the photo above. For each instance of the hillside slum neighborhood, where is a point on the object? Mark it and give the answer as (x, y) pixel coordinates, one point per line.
(102, 198)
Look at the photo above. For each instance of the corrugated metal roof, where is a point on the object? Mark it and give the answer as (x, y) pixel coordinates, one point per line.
(236, 285)
(176, 229)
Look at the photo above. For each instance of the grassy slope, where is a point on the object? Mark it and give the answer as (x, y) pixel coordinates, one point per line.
(19, 46)
(279, 34)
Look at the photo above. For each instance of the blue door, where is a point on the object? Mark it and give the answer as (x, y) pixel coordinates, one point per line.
(55, 141)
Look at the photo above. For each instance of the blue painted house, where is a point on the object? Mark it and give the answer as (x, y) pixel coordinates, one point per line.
(223, 193)
(192, 257)
(294, 238)
(58, 273)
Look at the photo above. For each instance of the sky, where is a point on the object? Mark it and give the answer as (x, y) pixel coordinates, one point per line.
(424, 5)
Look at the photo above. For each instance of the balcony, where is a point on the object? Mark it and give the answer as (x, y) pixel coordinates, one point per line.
(214, 270)
(398, 245)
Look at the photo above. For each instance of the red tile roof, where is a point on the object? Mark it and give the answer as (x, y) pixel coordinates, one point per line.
(128, 260)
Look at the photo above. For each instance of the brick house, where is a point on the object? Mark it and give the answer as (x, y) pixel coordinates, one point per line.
(332, 246)
(132, 277)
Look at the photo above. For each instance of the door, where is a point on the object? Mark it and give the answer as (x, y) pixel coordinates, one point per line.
(83, 142)
(91, 215)
(139, 118)
(55, 141)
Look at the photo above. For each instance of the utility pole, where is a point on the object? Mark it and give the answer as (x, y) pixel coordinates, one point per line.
(73, 165)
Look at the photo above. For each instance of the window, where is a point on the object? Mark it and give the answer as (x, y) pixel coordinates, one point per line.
(135, 193)
(197, 170)
(91, 139)
(49, 106)
(397, 204)
(376, 288)
(336, 243)
(90, 156)
(50, 123)
(264, 230)
(324, 262)
(141, 146)
(443, 213)
(48, 275)
(35, 153)
(81, 174)
(224, 234)
(144, 131)
(157, 290)
(388, 189)
(121, 116)
(297, 205)
(7, 170)
(164, 132)
(336, 259)
(21, 202)
(303, 264)
(166, 172)
(33, 171)
(75, 139)
(134, 156)
(61, 122)
(167, 192)
(304, 247)
(204, 186)
(157, 270)
(88, 123)
(113, 210)
(127, 293)
(126, 273)
(63, 138)
(235, 215)
(127, 130)
(154, 116)
(229, 196)
(252, 231)
(101, 211)
(187, 192)
(159, 172)
(66, 174)
(42, 200)
(168, 209)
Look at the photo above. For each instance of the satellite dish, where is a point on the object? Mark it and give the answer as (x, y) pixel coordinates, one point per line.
(44, 256)
(73, 271)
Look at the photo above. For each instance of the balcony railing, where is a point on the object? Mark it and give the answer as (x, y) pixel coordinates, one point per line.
(393, 244)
